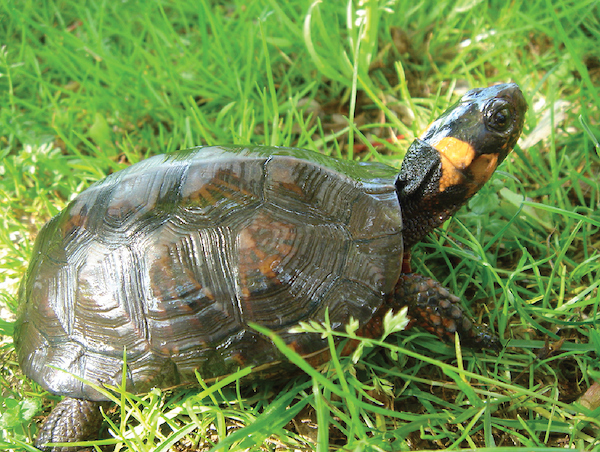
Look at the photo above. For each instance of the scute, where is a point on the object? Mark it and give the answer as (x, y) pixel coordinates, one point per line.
(171, 259)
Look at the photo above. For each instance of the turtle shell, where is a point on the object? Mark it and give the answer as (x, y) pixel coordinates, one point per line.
(167, 262)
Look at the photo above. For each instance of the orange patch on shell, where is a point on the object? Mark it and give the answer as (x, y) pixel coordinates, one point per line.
(267, 265)
(456, 155)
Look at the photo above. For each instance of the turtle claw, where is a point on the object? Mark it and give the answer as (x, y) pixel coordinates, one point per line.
(481, 338)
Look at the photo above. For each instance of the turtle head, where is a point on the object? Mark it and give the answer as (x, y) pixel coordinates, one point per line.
(456, 155)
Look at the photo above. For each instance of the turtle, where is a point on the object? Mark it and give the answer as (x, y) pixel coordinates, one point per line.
(169, 262)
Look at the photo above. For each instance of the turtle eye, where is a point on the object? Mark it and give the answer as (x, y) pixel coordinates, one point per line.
(499, 119)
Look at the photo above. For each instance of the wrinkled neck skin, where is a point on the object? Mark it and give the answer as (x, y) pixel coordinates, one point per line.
(424, 206)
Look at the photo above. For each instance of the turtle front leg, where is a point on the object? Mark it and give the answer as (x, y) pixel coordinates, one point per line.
(71, 420)
(434, 308)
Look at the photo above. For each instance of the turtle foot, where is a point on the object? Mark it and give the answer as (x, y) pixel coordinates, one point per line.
(71, 420)
(434, 308)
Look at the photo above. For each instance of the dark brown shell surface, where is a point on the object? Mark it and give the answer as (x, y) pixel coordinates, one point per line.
(171, 258)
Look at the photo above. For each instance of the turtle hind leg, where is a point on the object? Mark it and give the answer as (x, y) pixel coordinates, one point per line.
(71, 420)
(434, 308)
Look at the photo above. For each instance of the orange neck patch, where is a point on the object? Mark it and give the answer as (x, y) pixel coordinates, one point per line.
(456, 155)
(482, 169)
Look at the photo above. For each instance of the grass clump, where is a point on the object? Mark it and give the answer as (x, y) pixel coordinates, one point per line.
(88, 88)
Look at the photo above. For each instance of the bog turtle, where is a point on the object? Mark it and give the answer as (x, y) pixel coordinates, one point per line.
(172, 258)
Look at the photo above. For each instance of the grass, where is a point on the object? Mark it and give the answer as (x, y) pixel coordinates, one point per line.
(89, 87)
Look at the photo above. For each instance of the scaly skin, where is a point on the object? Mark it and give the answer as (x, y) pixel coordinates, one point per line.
(72, 419)
(433, 308)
